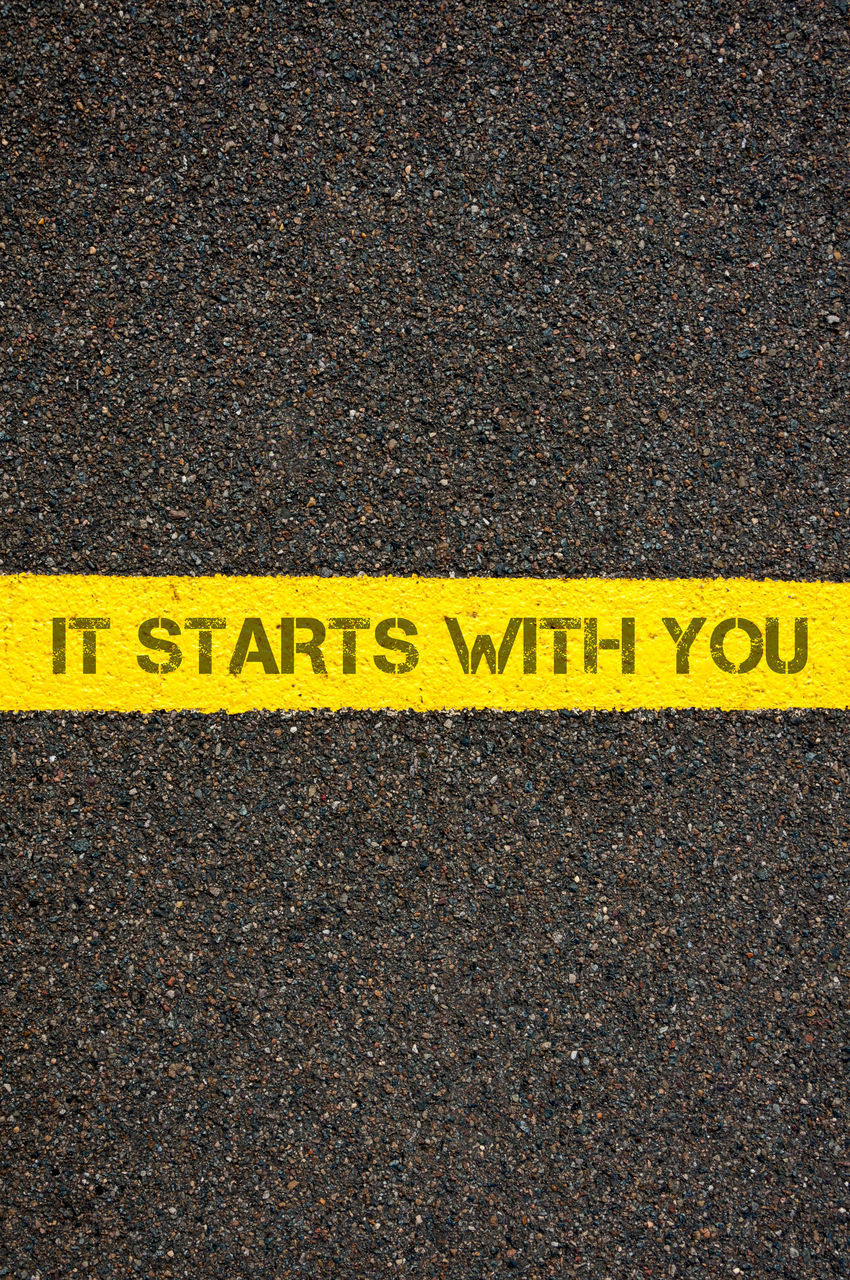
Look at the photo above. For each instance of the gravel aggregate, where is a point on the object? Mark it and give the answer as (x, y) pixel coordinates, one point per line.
(528, 288)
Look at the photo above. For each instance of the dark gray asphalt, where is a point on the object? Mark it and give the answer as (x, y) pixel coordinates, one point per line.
(516, 289)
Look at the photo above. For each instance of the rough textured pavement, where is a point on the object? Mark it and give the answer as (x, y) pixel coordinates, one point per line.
(546, 288)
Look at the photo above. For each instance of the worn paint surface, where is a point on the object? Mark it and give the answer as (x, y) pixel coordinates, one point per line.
(386, 642)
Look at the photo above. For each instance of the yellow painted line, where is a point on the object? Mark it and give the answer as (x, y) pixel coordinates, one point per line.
(236, 644)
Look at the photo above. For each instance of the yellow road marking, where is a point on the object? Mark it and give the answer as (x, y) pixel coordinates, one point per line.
(236, 644)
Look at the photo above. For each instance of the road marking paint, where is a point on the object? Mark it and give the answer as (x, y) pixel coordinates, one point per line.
(239, 644)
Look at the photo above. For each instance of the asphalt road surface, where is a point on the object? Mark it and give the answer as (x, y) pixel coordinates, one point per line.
(541, 289)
